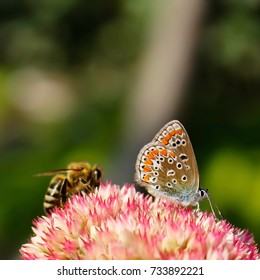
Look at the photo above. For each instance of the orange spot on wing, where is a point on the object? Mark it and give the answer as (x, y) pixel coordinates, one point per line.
(147, 168)
(168, 136)
(151, 156)
(172, 154)
(146, 178)
(179, 131)
(164, 152)
(148, 161)
(164, 141)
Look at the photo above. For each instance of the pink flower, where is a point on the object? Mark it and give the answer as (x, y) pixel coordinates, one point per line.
(115, 223)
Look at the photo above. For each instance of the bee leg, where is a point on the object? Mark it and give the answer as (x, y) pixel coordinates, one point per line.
(88, 187)
(65, 185)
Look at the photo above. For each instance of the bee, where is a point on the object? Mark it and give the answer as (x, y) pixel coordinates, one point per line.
(80, 177)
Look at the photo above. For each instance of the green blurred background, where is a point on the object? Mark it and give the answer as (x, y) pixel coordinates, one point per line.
(70, 71)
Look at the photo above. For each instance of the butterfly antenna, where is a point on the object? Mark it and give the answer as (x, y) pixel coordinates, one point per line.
(211, 202)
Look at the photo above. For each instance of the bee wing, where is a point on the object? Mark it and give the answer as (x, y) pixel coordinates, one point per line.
(57, 171)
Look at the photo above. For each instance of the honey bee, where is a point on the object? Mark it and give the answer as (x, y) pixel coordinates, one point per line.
(80, 176)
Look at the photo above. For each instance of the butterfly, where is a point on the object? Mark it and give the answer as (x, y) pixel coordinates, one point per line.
(167, 167)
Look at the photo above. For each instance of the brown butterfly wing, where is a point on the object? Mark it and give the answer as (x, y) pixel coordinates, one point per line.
(174, 136)
(167, 166)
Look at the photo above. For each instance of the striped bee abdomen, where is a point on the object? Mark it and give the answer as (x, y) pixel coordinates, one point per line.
(56, 193)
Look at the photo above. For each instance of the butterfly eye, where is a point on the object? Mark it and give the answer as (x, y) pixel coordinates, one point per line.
(157, 187)
(174, 144)
(170, 160)
(169, 185)
(179, 165)
(156, 173)
(183, 142)
(203, 193)
(178, 142)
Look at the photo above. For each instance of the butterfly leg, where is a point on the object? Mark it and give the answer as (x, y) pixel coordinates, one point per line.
(197, 211)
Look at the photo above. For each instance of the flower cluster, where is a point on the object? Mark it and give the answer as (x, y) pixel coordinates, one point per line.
(115, 223)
